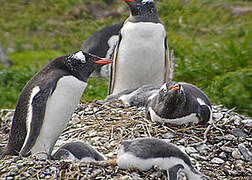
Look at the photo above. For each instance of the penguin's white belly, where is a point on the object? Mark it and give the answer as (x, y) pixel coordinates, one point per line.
(128, 160)
(141, 56)
(59, 108)
(192, 118)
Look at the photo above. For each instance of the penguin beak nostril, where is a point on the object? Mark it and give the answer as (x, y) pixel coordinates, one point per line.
(102, 61)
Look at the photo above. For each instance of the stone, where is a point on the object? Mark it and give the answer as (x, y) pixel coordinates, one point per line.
(238, 132)
(227, 149)
(236, 154)
(217, 160)
(190, 150)
(203, 148)
(245, 152)
(222, 155)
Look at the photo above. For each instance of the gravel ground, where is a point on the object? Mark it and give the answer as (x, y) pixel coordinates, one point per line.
(221, 150)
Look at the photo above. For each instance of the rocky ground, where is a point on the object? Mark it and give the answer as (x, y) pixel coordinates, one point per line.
(221, 150)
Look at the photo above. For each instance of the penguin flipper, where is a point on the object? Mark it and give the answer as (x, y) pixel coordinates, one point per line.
(168, 72)
(113, 67)
(38, 113)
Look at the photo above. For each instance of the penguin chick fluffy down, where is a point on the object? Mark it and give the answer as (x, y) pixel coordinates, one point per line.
(144, 153)
(47, 102)
(179, 103)
(78, 151)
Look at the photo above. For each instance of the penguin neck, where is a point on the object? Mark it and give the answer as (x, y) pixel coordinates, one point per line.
(147, 17)
(172, 106)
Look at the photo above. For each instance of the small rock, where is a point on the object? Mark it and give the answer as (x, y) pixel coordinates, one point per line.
(182, 141)
(217, 160)
(238, 132)
(198, 157)
(236, 154)
(247, 122)
(203, 148)
(245, 152)
(227, 149)
(222, 155)
(190, 150)
(217, 116)
(168, 135)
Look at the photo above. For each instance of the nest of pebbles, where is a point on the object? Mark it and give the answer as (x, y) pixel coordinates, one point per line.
(220, 150)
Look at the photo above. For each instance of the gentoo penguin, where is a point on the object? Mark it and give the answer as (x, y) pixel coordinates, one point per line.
(144, 153)
(102, 44)
(47, 103)
(179, 103)
(134, 97)
(78, 151)
(141, 55)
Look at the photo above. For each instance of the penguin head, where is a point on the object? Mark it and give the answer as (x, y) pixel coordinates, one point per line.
(81, 64)
(141, 7)
(172, 93)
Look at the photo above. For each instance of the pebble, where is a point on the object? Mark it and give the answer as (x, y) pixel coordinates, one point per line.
(167, 135)
(247, 122)
(227, 149)
(222, 155)
(198, 157)
(236, 154)
(217, 161)
(245, 152)
(217, 116)
(190, 150)
(238, 133)
(203, 148)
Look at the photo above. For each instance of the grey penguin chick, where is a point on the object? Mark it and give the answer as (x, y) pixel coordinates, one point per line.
(141, 56)
(144, 153)
(179, 103)
(134, 97)
(47, 102)
(78, 151)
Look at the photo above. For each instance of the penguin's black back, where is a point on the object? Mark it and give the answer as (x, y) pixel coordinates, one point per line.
(97, 43)
(80, 150)
(154, 148)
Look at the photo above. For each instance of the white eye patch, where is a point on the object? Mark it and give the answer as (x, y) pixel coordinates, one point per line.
(164, 88)
(80, 56)
(147, 1)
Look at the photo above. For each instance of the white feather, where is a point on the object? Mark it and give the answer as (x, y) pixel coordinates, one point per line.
(59, 108)
(141, 56)
(183, 120)
(128, 160)
(34, 92)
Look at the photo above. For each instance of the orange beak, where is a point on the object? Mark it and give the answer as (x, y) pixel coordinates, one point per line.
(175, 88)
(102, 61)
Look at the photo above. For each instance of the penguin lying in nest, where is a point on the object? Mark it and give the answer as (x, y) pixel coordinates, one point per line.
(173, 103)
(144, 153)
(81, 151)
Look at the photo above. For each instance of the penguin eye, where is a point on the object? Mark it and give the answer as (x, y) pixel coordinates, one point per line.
(146, 1)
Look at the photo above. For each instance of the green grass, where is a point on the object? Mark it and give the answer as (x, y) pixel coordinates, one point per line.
(212, 45)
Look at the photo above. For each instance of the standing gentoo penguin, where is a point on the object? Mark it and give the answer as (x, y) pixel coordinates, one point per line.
(102, 44)
(179, 103)
(141, 55)
(144, 153)
(78, 151)
(47, 103)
